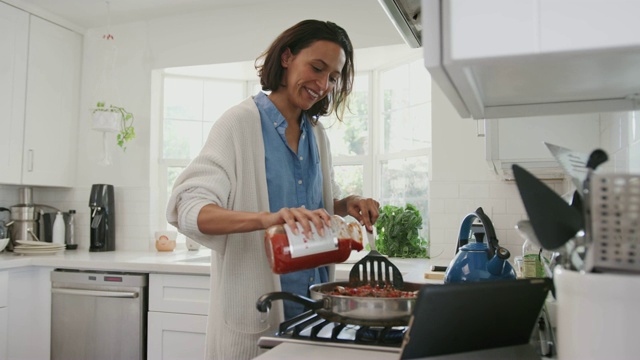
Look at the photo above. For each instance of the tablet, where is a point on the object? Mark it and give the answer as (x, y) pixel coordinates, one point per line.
(462, 317)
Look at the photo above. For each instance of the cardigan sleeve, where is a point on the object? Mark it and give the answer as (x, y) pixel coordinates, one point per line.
(212, 177)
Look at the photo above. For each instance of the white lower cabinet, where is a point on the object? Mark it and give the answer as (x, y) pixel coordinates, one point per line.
(177, 319)
(4, 314)
(4, 320)
(29, 318)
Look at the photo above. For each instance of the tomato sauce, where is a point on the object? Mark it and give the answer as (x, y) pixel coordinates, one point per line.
(387, 291)
(279, 254)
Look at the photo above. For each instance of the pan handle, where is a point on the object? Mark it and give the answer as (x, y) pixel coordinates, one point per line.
(264, 302)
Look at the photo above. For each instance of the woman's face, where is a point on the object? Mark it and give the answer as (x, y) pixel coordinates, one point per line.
(312, 73)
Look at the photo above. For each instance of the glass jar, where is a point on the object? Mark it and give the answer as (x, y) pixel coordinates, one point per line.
(532, 260)
(288, 252)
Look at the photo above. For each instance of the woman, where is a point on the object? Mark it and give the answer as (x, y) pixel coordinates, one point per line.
(267, 162)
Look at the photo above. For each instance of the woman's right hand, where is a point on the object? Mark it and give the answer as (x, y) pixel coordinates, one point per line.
(319, 218)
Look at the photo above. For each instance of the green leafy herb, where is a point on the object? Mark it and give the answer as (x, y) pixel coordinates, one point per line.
(398, 235)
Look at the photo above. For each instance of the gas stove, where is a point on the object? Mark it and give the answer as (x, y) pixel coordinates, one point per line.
(310, 328)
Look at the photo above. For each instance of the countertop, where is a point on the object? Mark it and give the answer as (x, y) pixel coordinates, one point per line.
(181, 261)
(177, 261)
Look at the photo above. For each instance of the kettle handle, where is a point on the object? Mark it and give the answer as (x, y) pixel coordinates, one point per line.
(465, 230)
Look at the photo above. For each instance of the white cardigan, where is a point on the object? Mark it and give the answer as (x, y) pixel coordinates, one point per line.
(230, 172)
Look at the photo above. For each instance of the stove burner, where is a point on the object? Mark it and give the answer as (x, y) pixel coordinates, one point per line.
(311, 326)
(379, 336)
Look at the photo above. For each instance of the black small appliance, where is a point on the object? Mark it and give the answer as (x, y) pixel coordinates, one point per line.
(103, 218)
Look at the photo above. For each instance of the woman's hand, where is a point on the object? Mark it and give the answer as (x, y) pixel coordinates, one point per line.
(319, 218)
(365, 210)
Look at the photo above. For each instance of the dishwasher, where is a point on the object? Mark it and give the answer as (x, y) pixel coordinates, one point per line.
(98, 315)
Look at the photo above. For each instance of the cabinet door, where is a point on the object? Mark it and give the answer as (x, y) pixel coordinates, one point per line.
(29, 295)
(14, 32)
(4, 324)
(4, 314)
(187, 294)
(521, 141)
(53, 81)
(176, 336)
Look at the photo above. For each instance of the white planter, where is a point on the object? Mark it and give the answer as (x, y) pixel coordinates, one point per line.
(107, 121)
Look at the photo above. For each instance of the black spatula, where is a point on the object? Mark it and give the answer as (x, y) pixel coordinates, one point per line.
(554, 221)
(375, 269)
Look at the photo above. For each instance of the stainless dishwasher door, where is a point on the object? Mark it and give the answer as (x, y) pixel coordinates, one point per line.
(98, 315)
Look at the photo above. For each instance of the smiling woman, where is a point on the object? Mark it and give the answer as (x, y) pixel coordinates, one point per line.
(382, 154)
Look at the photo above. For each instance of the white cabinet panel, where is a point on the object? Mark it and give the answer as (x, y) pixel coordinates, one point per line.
(472, 36)
(4, 289)
(188, 294)
(177, 321)
(521, 141)
(4, 330)
(4, 314)
(176, 336)
(14, 32)
(30, 316)
(503, 59)
(51, 117)
(585, 24)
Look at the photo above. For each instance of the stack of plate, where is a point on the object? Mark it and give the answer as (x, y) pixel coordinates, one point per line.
(27, 247)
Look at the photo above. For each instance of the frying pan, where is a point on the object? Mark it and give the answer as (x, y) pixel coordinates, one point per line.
(363, 311)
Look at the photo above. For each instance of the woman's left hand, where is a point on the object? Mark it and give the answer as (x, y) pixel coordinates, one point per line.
(365, 210)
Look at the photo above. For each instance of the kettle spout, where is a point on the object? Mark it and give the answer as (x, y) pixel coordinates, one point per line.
(498, 265)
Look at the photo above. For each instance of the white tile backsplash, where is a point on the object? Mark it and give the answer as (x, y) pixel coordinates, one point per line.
(133, 230)
(499, 199)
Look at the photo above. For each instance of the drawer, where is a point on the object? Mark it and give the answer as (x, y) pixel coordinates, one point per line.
(186, 294)
(4, 289)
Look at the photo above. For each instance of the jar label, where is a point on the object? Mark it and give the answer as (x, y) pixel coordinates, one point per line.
(532, 267)
(300, 245)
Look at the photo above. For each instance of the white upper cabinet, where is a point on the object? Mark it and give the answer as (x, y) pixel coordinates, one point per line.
(521, 141)
(504, 58)
(39, 100)
(51, 119)
(14, 36)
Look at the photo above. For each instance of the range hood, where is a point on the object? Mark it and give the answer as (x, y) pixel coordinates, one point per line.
(405, 15)
(504, 58)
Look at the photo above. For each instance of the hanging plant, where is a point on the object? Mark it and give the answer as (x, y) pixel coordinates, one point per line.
(115, 119)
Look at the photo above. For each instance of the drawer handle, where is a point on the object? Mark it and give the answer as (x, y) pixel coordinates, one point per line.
(97, 293)
(30, 164)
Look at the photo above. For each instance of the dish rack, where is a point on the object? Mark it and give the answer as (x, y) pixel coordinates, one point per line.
(612, 211)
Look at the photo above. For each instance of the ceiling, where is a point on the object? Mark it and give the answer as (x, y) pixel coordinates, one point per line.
(88, 14)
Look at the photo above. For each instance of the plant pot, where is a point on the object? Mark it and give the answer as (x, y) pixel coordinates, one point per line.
(107, 121)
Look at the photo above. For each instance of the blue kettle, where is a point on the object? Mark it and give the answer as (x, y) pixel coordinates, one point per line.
(479, 260)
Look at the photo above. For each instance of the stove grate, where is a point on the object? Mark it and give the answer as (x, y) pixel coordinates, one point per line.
(310, 326)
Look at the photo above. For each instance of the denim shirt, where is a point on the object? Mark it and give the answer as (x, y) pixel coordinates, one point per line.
(293, 180)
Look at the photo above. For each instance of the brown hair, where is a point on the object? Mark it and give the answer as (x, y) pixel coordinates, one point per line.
(297, 38)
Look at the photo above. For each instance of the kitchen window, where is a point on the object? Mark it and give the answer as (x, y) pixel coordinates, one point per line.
(382, 149)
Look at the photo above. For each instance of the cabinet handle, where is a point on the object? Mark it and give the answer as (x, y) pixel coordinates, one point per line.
(479, 132)
(30, 165)
(95, 293)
